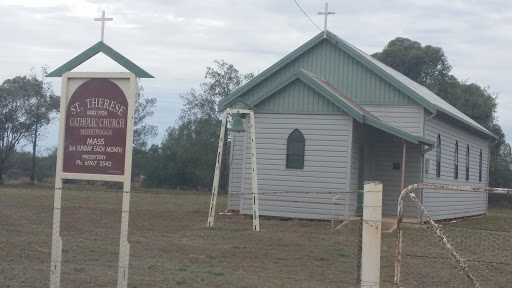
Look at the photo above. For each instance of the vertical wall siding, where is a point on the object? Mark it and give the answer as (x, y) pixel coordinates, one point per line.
(451, 204)
(406, 117)
(298, 193)
(340, 70)
(297, 97)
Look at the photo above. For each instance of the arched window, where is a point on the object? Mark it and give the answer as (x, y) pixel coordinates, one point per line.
(456, 161)
(467, 163)
(295, 150)
(480, 167)
(438, 156)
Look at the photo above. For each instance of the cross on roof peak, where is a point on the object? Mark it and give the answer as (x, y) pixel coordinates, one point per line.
(103, 19)
(326, 13)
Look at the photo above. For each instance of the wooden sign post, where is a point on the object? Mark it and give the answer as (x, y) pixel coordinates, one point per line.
(95, 138)
(95, 143)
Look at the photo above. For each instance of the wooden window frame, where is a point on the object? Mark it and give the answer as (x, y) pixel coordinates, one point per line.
(438, 156)
(456, 161)
(480, 167)
(467, 162)
(294, 139)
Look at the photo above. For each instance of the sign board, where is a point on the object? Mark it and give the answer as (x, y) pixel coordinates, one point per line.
(96, 126)
(95, 143)
(95, 131)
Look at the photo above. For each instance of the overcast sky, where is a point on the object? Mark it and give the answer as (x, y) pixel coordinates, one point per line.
(176, 40)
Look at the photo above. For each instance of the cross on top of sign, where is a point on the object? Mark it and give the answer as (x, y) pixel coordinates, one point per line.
(103, 19)
(325, 13)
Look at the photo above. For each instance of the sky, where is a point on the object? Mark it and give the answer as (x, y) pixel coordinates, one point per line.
(176, 40)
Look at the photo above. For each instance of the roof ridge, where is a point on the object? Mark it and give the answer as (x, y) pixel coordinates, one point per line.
(415, 91)
(92, 51)
(419, 89)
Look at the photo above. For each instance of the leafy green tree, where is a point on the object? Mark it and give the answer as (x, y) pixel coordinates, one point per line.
(18, 165)
(222, 80)
(187, 154)
(17, 108)
(427, 65)
(143, 110)
(142, 131)
(43, 109)
(46, 164)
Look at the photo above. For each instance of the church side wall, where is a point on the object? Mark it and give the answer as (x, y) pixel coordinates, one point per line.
(453, 204)
(298, 193)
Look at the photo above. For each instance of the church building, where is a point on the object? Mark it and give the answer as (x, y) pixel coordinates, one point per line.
(329, 117)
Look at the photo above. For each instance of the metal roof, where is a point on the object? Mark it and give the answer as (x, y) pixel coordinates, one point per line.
(92, 51)
(417, 92)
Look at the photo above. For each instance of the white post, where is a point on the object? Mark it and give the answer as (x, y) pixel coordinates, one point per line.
(372, 215)
(56, 258)
(124, 246)
(255, 201)
(215, 188)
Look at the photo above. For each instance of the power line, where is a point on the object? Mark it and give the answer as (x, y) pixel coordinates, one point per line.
(306, 15)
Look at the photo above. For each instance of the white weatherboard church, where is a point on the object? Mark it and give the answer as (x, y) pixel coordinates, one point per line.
(329, 117)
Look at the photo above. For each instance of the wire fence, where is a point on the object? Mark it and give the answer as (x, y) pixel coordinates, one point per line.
(170, 245)
(474, 252)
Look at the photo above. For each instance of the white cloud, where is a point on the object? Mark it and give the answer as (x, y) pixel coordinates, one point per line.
(176, 40)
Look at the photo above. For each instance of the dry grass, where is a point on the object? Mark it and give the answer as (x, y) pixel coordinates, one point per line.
(170, 244)
(483, 244)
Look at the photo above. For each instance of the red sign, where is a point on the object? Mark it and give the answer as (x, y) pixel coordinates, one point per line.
(96, 124)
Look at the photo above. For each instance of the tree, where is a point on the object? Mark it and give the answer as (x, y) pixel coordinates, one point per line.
(201, 120)
(43, 108)
(142, 131)
(223, 80)
(471, 99)
(427, 65)
(143, 110)
(186, 157)
(16, 114)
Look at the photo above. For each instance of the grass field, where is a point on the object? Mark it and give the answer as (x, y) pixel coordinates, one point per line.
(483, 243)
(170, 244)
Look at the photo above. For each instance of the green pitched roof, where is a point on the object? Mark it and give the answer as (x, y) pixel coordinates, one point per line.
(343, 102)
(417, 92)
(92, 51)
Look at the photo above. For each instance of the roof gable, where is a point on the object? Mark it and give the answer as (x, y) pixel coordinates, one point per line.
(343, 102)
(92, 51)
(297, 97)
(409, 88)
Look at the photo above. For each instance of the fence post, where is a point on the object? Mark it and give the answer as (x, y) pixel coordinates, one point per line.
(372, 215)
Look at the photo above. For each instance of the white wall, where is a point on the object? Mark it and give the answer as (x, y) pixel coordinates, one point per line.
(452, 204)
(298, 193)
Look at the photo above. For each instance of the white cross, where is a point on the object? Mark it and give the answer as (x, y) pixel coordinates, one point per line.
(103, 19)
(326, 13)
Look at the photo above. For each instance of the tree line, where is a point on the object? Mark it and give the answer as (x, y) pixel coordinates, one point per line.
(186, 156)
